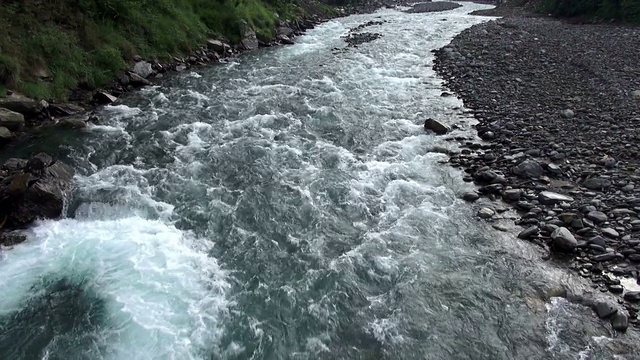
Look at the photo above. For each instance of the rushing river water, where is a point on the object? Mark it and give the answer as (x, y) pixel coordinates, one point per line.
(286, 205)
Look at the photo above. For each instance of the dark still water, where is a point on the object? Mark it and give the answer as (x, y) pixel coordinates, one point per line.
(286, 206)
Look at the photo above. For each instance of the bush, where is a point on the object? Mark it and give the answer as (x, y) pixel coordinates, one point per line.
(9, 71)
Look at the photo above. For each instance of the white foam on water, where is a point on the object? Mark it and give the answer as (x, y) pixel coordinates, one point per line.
(164, 296)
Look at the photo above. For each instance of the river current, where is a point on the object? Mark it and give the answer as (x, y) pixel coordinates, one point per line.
(286, 205)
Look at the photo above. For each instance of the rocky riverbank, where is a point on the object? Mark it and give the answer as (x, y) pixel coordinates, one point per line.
(558, 107)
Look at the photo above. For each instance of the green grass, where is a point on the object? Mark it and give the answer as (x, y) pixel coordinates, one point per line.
(86, 43)
(621, 10)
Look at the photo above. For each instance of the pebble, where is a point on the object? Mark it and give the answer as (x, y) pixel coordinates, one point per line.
(486, 213)
(610, 233)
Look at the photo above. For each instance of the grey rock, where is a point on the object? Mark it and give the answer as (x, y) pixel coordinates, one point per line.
(39, 192)
(597, 216)
(528, 232)
(284, 39)
(104, 98)
(8, 238)
(65, 109)
(551, 198)
(610, 233)
(470, 196)
(615, 289)
(596, 183)
(218, 46)
(512, 194)
(436, 126)
(563, 239)
(72, 122)
(284, 30)
(5, 135)
(249, 39)
(137, 80)
(567, 113)
(528, 169)
(486, 213)
(604, 309)
(598, 240)
(632, 296)
(620, 321)
(12, 120)
(21, 104)
(143, 69)
(604, 257)
(635, 94)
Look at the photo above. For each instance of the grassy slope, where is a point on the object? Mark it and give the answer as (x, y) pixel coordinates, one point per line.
(86, 43)
(622, 10)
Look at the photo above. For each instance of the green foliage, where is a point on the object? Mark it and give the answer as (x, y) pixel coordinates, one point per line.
(88, 42)
(9, 70)
(622, 10)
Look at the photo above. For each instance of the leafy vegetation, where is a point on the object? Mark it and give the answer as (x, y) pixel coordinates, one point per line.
(621, 10)
(48, 48)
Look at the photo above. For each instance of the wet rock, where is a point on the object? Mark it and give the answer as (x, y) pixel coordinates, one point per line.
(529, 232)
(620, 321)
(615, 289)
(486, 213)
(104, 98)
(604, 309)
(72, 122)
(36, 192)
(14, 164)
(512, 194)
(65, 109)
(633, 296)
(436, 126)
(551, 198)
(563, 240)
(470, 196)
(8, 238)
(604, 257)
(12, 120)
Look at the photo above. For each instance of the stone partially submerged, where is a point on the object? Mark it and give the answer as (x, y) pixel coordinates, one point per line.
(32, 190)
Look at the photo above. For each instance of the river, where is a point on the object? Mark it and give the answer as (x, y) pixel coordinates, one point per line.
(286, 205)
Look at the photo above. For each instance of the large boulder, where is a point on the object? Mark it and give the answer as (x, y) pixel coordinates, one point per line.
(12, 120)
(37, 190)
(249, 39)
(436, 126)
(142, 68)
(22, 104)
(528, 169)
(284, 30)
(218, 46)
